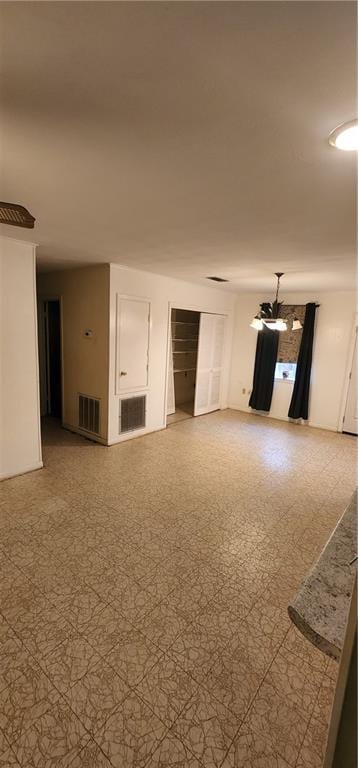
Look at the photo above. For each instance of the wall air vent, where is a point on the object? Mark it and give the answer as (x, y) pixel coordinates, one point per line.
(218, 279)
(132, 413)
(88, 414)
(16, 215)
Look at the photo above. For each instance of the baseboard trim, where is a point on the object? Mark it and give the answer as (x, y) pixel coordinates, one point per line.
(83, 433)
(284, 418)
(135, 435)
(23, 471)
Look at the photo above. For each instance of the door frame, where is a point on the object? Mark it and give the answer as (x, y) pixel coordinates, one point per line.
(189, 308)
(42, 300)
(354, 333)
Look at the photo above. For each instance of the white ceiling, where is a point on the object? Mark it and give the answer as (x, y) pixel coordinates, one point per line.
(187, 139)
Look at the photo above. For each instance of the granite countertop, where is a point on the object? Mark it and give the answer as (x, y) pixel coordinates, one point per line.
(320, 607)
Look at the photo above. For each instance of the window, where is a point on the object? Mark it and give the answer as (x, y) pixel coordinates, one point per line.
(285, 371)
(289, 343)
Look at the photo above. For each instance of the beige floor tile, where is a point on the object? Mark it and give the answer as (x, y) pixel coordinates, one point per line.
(295, 679)
(324, 701)
(296, 643)
(97, 695)
(163, 625)
(196, 649)
(253, 750)
(332, 669)
(166, 689)
(313, 748)
(195, 556)
(24, 700)
(42, 633)
(271, 715)
(207, 728)
(131, 734)
(133, 657)
(82, 606)
(91, 756)
(13, 655)
(234, 681)
(172, 753)
(223, 618)
(54, 739)
(7, 757)
(131, 599)
(106, 630)
(70, 662)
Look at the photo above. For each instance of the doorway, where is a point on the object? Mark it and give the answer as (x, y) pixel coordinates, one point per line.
(183, 356)
(50, 358)
(195, 367)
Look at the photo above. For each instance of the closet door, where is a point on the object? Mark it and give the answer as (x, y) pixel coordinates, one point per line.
(209, 365)
(133, 318)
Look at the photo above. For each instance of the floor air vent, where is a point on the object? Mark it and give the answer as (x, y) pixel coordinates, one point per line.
(88, 414)
(132, 413)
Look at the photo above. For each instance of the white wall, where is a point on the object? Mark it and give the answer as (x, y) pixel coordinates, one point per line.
(333, 335)
(161, 292)
(20, 446)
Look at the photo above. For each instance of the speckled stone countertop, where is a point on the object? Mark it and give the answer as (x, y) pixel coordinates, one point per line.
(320, 607)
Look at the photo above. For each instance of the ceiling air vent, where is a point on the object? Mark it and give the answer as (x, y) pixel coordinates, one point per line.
(218, 279)
(132, 413)
(16, 215)
(88, 414)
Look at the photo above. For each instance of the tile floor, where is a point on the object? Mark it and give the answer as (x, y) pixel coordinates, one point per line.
(143, 598)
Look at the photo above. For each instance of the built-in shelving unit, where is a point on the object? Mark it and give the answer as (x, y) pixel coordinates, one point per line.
(185, 336)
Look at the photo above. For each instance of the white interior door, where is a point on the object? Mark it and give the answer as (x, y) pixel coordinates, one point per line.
(133, 319)
(350, 423)
(209, 365)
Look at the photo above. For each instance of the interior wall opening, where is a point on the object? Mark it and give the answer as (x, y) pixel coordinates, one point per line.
(183, 355)
(50, 359)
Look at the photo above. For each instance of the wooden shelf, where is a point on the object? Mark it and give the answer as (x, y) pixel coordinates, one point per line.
(182, 322)
(184, 352)
(183, 370)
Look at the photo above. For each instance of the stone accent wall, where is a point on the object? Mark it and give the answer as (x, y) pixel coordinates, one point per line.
(290, 340)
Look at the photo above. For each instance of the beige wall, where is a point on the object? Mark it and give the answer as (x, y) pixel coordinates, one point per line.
(332, 345)
(20, 440)
(84, 295)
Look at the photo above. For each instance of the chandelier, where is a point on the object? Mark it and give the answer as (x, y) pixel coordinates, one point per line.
(269, 314)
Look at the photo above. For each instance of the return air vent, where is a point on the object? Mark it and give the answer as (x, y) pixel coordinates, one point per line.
(16, 215)
(88, 414)
(132, 413)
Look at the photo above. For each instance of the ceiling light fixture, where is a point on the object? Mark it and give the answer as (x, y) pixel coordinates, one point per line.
(269, 314)
(345, 137)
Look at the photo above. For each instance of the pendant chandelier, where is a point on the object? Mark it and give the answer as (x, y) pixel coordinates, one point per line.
(269, 314)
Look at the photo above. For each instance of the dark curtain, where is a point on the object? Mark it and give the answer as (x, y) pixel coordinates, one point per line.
(264, 371)
(300, 395)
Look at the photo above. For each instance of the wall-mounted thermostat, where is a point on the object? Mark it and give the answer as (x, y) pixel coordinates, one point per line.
(88, 333)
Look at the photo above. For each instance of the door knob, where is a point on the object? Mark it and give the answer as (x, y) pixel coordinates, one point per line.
(123, 373)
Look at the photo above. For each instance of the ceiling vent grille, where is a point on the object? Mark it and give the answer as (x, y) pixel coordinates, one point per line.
(16, 215)
(132, 413)
(88, 414)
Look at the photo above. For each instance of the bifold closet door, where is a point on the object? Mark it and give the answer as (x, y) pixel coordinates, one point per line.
(209, 364)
